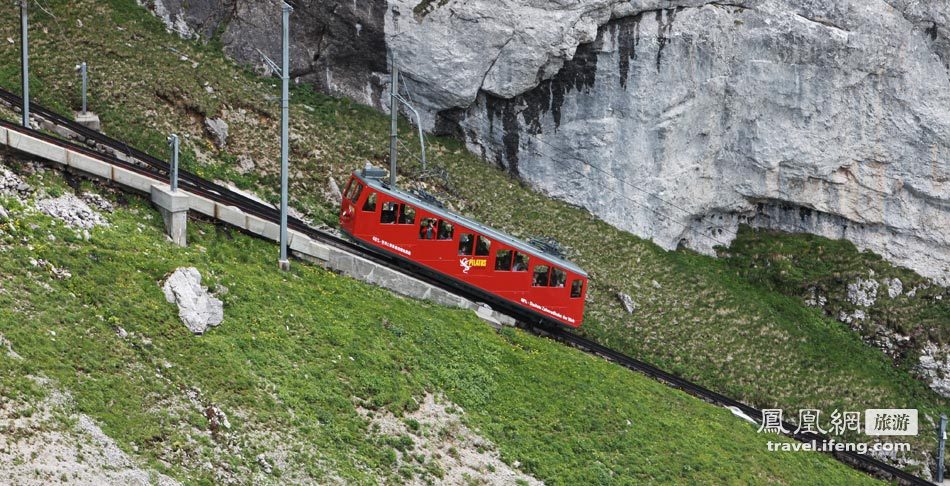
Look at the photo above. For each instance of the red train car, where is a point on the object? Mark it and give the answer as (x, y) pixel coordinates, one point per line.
(419, 230)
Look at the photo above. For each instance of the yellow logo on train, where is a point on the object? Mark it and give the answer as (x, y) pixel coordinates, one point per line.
(470, 263)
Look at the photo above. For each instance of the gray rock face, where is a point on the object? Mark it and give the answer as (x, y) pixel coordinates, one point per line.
(819, 117)
(338, 46)
(695, 116)
(197, 309)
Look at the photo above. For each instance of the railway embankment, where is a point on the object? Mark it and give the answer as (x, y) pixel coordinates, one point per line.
(311, 377)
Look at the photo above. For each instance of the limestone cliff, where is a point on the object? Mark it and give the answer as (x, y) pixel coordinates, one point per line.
(673, 119)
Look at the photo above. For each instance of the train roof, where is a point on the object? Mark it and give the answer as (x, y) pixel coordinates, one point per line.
(495, 235)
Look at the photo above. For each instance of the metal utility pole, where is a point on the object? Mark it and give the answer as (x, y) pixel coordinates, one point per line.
(941, 442)
(284, 262)
(173, 173)
(84, 72)
(422, 138)
(394, 116)
(25, 62)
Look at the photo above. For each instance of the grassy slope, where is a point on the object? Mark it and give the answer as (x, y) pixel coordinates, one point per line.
(807, 266)
(697, 316)
(297, 350)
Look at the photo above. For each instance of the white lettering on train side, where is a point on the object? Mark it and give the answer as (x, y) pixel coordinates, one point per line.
(392, 246)
(547, 311)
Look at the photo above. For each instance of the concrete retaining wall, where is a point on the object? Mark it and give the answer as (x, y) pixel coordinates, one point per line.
(300, 244)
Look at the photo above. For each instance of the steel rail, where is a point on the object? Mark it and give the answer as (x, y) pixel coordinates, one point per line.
(158, 170)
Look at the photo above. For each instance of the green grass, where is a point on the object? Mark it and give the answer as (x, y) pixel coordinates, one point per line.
(712, 321)
(807, 266)
(298, 350)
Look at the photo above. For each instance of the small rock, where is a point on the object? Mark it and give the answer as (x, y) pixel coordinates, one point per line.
(218, 129)
(197, 309)
(221, 290)
(12, 186)
(245, 164)
(815, 299)
(98, 202)
(216, 418)
(122, 333)
(265, 465)
(655, 284)
(857, 315)
(3, 214)
(628, 304)
(894, 287)
(335, 194)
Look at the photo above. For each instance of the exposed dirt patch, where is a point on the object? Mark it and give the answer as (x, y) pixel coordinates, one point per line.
(435, 443)
(49, 442)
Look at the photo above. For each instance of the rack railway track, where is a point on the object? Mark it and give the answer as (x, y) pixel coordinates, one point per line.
(158, 170)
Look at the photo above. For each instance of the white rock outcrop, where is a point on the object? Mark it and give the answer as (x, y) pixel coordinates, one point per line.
(72, 211)
(197, 308)
(863, 292)
(934, 368)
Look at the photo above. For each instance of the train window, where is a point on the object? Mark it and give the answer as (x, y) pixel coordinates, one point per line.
(558, 277)
(356, 193)
(503, 260)
(576, 287)
(465, 244)
(350, 186)
(407, 215)
(540, 276)
(521, 263)
(482, 246)
(445, 230)
(427, 229)
(388, 214)
(370, 204)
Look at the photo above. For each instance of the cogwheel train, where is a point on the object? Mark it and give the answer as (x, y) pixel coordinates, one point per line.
(417, 229)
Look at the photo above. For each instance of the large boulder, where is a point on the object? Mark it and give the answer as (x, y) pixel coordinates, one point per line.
(218, 129)
(197, 308)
